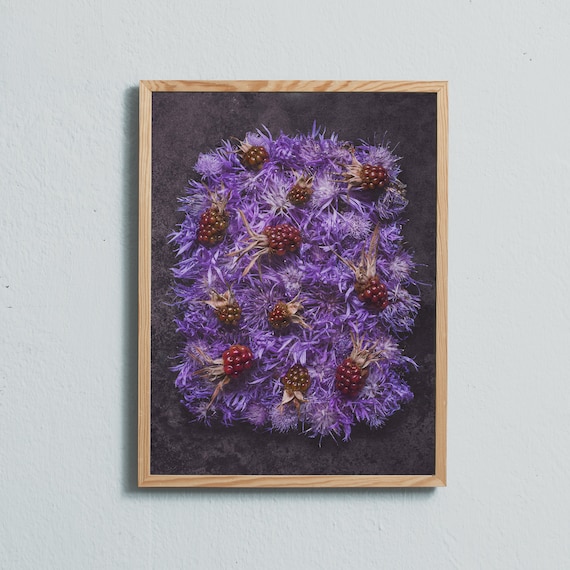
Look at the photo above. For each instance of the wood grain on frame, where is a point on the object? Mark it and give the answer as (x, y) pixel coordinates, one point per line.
(296, 86)
(145, 478)
(145, 181)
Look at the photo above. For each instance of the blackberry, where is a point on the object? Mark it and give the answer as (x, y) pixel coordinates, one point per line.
(278, 239)
(373, 293)
(350, 377)
(227, 308)
(301, 192)
(229, 315)
(373, 177)
(351, 374)
(283, 314)
(283, 238)
(213, 225)
(367, 285)
(297, 379)
(255, 157)
(236, 359)
(367, 176)
(279, 316)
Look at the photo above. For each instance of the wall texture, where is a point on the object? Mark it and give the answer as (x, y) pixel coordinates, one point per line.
(68, 156)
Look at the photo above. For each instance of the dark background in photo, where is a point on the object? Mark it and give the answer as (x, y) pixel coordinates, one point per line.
(186, 124)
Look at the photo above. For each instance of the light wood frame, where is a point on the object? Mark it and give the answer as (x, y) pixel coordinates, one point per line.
(145, 478)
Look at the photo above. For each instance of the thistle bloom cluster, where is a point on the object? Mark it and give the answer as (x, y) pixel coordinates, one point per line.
(326, 258)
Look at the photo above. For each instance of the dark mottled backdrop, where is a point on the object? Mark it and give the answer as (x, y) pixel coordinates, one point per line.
(185, 124)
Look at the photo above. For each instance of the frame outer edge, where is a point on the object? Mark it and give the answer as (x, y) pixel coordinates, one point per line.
(145, 479)
(145, 181)
(441, 281)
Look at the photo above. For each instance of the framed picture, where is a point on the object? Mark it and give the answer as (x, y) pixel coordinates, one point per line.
(292, 284)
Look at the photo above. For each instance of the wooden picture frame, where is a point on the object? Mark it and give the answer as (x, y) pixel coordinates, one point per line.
(401, 97)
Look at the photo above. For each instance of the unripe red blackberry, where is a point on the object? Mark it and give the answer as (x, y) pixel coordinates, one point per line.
(368, 287)
(283, 238)
(283, 314)
(297, 379)
(373, 292)
(350, 377)
(236, 359)
(230, 314)
(373, 177)
(280, 316)
(213, 225)
(278, 239)
(255, 157)
(300, 193)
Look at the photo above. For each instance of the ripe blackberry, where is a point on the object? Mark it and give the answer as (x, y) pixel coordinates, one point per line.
(236, 359)
(254, 157)
(213, 225)
(279, 317)
(373, 177)
(297, 379)
(283, 238)
(373, 293)
(350, 377)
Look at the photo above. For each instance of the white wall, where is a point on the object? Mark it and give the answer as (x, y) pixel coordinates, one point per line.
(68, 116)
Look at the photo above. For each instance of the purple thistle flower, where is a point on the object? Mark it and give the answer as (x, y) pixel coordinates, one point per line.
(334, 222)
(284, 418)
(379, 156)
(286, 152)
(256, 413)
(210, 165)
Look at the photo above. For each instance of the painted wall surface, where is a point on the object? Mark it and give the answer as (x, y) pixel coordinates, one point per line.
(68, 229)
